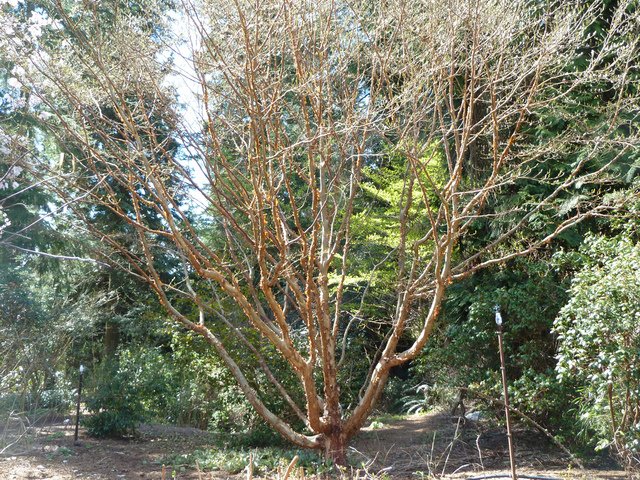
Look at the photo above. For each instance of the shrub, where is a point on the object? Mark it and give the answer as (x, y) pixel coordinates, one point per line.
(599, 335)
(463, 350)
(114, 401)
(181, 382)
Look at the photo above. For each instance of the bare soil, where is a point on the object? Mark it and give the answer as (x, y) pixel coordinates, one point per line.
(441, 446)
(415, 447)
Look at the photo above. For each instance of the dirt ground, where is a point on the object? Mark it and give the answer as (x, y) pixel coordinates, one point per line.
(439, 445)
(415, 447)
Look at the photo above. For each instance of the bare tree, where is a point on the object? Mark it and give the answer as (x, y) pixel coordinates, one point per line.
(300, 103)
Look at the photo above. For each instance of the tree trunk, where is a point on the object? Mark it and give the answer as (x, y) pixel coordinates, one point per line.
(111, 338)
(335, 447)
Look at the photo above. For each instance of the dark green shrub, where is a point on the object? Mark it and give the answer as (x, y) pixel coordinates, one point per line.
(182, 382)
(260, 435)
(599, 336)
(114, 402)
(463, 350)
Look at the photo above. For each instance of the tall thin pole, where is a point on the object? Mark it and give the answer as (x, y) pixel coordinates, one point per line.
(512, 459)
(75, 437)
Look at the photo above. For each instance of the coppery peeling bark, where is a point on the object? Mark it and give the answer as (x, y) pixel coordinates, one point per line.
(299, 103)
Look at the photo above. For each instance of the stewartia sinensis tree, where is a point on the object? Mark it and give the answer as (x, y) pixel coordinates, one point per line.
(343, 149)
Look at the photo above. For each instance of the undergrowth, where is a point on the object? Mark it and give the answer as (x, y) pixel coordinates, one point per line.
(265, 460)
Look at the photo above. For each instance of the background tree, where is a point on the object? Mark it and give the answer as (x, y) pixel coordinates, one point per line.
(301, 108)
(531, 292)
(73, 312)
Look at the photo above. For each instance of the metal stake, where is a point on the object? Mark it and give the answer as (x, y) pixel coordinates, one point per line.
(75, 437)
(506, 393)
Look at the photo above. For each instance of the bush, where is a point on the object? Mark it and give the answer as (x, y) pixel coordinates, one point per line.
(182, 382)
(463, 350)
(599, 335)
(115, 402)
(33, 349)
(143, 383)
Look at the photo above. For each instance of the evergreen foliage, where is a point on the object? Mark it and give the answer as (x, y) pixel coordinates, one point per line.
(599, 344)
(464, 348)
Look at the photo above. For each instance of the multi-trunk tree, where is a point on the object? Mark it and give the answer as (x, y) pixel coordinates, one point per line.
(337, 148)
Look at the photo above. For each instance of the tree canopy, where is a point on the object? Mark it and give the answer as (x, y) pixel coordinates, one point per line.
(345, 156)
